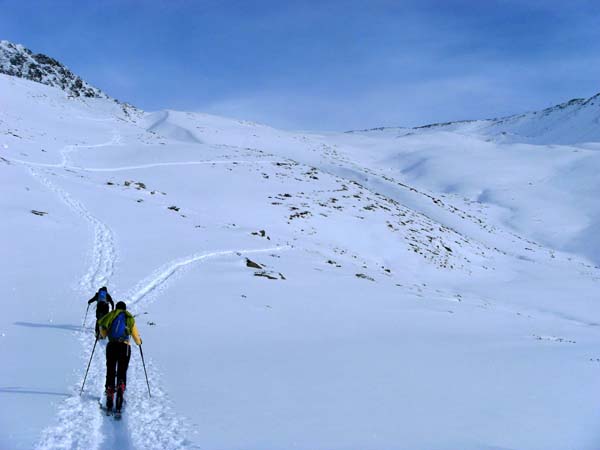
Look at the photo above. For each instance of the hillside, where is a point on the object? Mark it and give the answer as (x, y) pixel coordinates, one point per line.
(574, 122)
(400, 300)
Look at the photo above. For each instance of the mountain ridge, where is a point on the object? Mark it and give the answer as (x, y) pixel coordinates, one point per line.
(576, 120)
(19, 61)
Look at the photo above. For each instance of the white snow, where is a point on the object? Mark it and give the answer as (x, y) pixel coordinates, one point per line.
(420, 289)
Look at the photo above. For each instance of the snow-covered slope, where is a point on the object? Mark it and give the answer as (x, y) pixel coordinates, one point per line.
(537, 171)
(572, 122)
(394, 306)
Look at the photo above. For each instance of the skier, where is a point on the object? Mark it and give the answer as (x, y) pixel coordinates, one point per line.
(102, 308)
(118, 325)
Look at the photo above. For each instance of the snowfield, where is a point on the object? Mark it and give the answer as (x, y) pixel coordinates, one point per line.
(430, 288)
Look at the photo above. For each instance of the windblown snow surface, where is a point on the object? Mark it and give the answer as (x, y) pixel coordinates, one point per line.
(425, 290)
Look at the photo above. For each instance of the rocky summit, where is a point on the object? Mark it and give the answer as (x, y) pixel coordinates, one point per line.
(19, 61)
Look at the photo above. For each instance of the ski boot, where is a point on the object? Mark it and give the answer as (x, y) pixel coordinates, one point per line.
(110, 392)
(120, 392)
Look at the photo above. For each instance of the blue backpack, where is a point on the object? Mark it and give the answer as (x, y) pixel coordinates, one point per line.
(118, 328)
(102, 297)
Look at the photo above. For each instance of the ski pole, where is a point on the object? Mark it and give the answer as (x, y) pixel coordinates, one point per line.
(145, 373)
(88, 367)
(85, 318)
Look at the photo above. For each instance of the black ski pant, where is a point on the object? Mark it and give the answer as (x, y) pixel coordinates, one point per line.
(117, 361)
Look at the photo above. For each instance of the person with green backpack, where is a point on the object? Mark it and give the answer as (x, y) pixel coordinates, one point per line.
(119, 326)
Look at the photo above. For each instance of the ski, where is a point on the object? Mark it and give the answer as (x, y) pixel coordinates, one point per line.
(108, 412)
(117, 415)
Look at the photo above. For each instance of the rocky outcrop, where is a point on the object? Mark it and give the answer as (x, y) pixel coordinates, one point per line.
(18, 61)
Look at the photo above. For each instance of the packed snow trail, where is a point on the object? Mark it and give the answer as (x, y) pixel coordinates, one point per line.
(81, 423)
(182, 163)
(103, 255)
(158, 278)
(65, 164)
(156, 426)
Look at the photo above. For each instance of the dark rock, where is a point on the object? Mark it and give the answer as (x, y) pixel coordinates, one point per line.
(18, 61)
(265, 275)
(366, 277)
(299, 215)
(252, 264)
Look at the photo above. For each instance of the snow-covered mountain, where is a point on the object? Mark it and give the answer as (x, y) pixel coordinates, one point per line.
(340, 290)
(575, 121)
(18, 61)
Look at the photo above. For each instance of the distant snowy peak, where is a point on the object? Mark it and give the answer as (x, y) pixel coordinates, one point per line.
(18, 61)
(568, 106)
(575, 121)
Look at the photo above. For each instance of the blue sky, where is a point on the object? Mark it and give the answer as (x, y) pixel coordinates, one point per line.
(322, 65)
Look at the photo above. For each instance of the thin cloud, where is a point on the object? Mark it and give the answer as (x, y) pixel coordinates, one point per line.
(328, 65)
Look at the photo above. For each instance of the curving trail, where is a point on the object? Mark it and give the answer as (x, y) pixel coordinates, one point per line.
(156, 425)
(147, 423)
(79, 424)
(66, 164)
(156, 281)
(104, 254)
(182, 163)
(67, 150)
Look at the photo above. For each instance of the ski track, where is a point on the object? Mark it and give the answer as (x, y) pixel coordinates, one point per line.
(65, 164)
(157, 280)
(182, 163)
(156, 425)
(80, 422)
(103, 256)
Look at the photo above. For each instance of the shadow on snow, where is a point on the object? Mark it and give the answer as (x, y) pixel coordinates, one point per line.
(21, 390)
(67, 327)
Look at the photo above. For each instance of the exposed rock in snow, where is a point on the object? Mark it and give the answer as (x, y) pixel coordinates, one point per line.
(19, 61)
